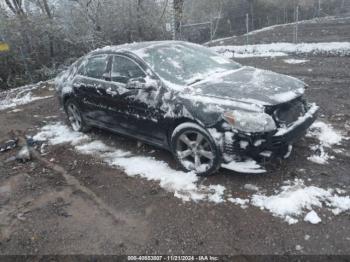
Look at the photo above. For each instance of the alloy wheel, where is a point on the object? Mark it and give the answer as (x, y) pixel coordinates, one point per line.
(74, 117)
(195, 151)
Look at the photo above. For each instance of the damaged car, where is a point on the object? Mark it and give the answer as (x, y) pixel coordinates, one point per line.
(208, 110)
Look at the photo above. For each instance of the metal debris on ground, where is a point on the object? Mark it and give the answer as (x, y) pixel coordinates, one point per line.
(23, 154)
(8, 145)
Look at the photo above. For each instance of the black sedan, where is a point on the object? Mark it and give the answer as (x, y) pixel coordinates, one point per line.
(209, 111)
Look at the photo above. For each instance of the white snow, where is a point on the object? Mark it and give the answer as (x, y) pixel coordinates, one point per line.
(243, 203)
(284, 130)
(312, 217)
(251, 187)
(287, 96)
(320, 156)
(182, 185)
(296, 61)
(59, 134)
(19, 96)
(325, 133)
(294, 198)
(284, 49)
(290, 220)
(209, 100)
(327, 137)
(249, 166)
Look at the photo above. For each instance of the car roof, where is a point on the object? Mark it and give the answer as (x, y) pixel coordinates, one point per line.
(134, 47)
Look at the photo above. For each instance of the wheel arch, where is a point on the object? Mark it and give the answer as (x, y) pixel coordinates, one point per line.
(177, 123)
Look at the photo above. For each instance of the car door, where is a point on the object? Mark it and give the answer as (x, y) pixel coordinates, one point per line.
(137, 108)
(90, 85)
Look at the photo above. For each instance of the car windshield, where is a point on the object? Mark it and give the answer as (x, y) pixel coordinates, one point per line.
(185, 64)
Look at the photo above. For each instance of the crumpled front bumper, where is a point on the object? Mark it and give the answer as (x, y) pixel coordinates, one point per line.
(270, 145)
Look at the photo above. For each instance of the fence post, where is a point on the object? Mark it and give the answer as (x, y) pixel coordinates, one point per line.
(173, 20)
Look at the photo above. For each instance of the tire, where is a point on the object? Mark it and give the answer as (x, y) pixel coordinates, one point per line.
(75, 117)
(195, 150)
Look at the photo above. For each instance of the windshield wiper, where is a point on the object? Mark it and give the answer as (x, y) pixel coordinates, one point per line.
(195, 81)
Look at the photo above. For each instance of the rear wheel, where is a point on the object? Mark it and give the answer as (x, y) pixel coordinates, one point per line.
(195, 150)
(75, 118)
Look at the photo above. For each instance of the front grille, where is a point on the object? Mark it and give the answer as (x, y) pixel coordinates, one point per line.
(287, 113)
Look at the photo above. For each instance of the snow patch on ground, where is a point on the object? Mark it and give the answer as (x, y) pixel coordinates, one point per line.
(296, 61)
(251, 187)
(230, 54)
(312, 217)
(183, 185)
(19, 96)
(327, 137)
(284, 49)
(294, 198)
(243, 203)
(248, 166)
(59, 134)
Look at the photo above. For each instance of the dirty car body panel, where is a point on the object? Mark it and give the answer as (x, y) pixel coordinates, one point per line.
(145, 90)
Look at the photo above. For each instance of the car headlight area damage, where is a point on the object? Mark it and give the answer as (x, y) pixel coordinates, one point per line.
(250, 121)
(260, 136)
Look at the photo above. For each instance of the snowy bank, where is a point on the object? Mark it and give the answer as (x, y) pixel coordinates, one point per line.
(20, 96)
(285, 49)
(316, 20)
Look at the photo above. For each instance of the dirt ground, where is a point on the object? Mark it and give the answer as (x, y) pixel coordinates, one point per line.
(43, 213)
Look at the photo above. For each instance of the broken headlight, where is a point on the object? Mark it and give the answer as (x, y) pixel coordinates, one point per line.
(250, 122)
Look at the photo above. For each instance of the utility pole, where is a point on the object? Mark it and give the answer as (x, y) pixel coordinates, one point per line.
(247, 27)
(296, 24)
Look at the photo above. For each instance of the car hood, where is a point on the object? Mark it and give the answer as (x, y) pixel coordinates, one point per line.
(250, 85)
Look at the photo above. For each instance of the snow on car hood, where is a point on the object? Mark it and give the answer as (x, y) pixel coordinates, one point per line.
(251, 85)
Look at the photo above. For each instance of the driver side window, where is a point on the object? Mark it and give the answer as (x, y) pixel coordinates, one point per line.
(124, 69)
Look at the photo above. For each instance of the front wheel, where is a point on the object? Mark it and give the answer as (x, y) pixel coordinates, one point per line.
(75, 117)
(195, 150)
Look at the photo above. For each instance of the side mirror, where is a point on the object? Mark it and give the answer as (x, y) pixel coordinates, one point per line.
(106, 77)
(141, 83)
(136, 83)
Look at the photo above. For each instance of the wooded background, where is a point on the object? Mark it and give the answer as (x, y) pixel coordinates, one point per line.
(47, 35)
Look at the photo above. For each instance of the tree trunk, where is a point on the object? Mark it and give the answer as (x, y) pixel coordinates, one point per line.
(178, 12)
(50, 35)
(139, 10)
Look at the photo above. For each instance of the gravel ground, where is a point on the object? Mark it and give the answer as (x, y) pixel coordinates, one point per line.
(42, 213)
